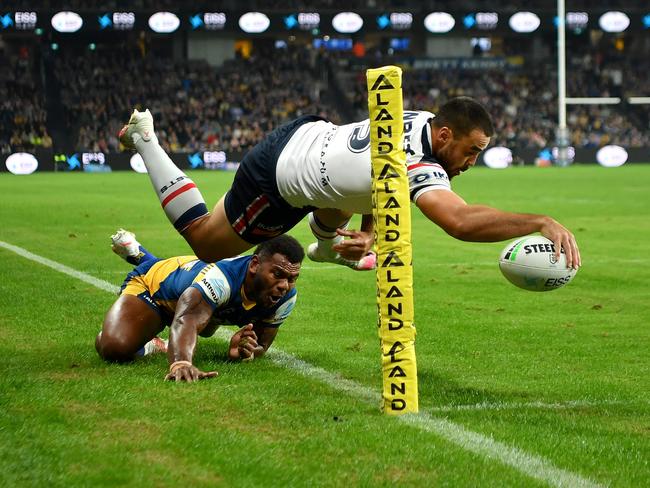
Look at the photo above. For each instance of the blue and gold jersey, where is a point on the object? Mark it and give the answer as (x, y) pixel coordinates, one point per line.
(160, 283)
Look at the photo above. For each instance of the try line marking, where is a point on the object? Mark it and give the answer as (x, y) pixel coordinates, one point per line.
(531, 465)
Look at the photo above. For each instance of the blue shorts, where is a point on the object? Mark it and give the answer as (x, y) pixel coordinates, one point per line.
(253, 205)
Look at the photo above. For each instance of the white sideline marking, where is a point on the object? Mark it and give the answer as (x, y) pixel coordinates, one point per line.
(531, 465)
(524, 405)
(62, 268)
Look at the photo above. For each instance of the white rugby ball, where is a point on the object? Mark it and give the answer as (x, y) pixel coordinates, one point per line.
(530, 263)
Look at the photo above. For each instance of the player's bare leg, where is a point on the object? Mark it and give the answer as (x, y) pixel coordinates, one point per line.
(209, 234)
(329, 226)
(129, 324)
(212, 237)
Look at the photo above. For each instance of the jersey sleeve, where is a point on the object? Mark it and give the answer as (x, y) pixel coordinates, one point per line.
(214, 287)
(424, 176)
(281, 313)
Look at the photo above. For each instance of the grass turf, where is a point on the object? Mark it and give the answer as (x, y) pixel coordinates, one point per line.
(563, 375)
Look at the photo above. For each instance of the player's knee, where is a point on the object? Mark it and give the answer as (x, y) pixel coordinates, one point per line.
(114, 349)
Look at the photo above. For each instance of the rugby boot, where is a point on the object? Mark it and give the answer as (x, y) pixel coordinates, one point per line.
(366, 263)
(139, 127)
(126, 246)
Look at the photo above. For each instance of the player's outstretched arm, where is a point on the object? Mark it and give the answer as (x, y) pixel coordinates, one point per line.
(192, 315)
(480, 223)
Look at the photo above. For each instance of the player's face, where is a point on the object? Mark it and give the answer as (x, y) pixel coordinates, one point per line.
(458, 154)
(273, 278)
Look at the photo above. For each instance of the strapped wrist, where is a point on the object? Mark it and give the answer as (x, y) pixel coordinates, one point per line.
(177, 364)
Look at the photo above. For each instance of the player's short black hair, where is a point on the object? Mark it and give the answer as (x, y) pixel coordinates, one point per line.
(462, 115)
(285, 245)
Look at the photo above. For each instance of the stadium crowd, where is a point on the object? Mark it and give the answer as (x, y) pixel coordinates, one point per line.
(22, 107)
(198, 107)
(523, 101)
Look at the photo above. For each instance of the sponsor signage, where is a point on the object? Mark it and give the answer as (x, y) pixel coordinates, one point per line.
(439, 22)
(137, 164)
(164, 22)
(116, 20)
(208, 20)
(611, 156)
(19, 20)
(497, 157)
(524, 22)
(302, 21)
(254, 22)
(67, 22)
(614, 21)
(21, 163)
(347, 22)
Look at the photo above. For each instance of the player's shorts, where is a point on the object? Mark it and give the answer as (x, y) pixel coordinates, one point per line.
(253, 205)
(148, 277)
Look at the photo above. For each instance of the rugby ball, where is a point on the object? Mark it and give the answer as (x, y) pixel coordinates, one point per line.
(530, 263)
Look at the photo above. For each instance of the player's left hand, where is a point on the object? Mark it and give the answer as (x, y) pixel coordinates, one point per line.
(357, 244)
(243, 344)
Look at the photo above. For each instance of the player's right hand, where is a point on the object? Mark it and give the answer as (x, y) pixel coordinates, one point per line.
(562, 239)
(189, 374)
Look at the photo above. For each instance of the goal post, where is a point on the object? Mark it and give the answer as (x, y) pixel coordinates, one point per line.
(392, 224)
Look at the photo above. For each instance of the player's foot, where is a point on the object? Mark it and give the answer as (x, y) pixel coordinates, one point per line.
(154, 346)
(139, 127)
(316, 253)
(125, 245)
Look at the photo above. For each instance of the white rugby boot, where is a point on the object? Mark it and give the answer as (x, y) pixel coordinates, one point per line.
(125, 245)
(317, 253)
(139, 127)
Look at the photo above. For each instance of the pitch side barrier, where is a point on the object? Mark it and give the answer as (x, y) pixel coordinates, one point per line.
(26, 162)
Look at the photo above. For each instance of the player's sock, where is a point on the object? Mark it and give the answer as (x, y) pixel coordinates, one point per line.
(180, 199)
(321, 251)
(326, 236)
(179, 196)
(142, 257)
(154, 346)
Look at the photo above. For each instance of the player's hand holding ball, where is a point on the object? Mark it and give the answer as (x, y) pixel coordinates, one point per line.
(532, 263)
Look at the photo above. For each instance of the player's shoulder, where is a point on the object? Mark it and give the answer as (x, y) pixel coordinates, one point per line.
(428, 164)
(214, 284)
(427, 175)
(234, 266)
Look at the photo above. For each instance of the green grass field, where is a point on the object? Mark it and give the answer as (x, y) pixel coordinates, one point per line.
(516, 388)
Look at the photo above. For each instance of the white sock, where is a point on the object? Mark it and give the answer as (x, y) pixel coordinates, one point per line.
(326, 236)
(180, 198)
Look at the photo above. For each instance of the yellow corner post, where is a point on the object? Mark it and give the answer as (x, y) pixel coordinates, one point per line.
(392, 218)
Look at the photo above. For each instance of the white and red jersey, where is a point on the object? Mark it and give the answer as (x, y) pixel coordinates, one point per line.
(328, 166)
